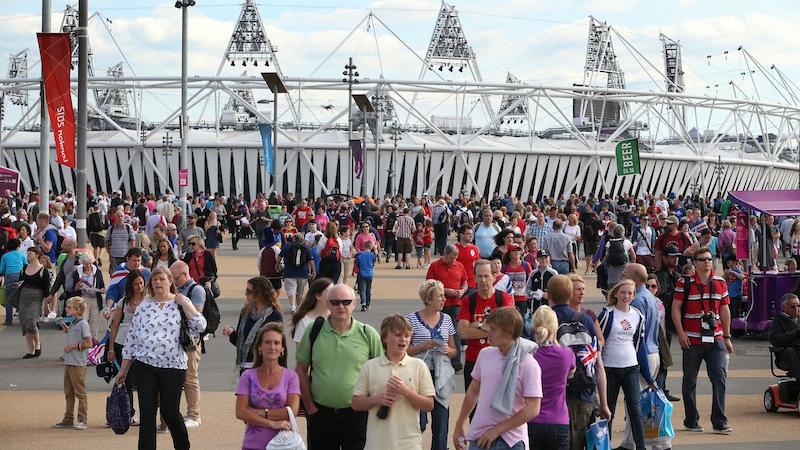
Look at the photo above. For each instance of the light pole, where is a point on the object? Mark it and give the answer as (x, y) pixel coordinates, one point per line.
(393, 167)
(380, 102)
(719, 171)
(83, 118)
(276, 86)
(44, 120)
(426, 154)
(365, 106)
(350, 78)
(184, 5)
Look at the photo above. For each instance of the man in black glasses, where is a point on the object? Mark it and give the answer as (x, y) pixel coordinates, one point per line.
(335, 357)
(784, 331)
(702, 322)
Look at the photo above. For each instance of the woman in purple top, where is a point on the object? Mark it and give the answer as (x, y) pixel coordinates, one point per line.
(550, 429)
(266, 390)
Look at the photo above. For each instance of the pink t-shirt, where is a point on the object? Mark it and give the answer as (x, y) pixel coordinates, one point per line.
(361, 240)
(489, 370)
(555, 362)
(256, 437)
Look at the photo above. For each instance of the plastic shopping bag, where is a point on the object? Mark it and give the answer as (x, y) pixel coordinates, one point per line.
(657, 417)
(118, 409)
(598, 437)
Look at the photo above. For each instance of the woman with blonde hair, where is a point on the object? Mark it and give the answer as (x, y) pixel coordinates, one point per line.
(213, 235)
(260, 307)
(550, 429)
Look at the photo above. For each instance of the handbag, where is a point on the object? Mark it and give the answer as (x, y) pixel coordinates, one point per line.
(287, 439)
(657, 417)
(184, 336)
(215, 288)
(598, 436)
(118, 409)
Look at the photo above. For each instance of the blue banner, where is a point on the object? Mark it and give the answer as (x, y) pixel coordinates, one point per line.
(266, 147)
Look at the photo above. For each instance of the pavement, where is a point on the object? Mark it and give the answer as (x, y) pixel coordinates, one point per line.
(32, 396)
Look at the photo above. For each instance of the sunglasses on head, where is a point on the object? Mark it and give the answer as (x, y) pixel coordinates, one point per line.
(345, 302)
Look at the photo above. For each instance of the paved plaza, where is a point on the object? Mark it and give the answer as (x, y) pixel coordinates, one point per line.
(32, 399)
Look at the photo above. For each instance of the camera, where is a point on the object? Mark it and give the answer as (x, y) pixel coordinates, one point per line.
(708, 324)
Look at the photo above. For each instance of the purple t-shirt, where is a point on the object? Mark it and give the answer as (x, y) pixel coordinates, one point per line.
(489, 371)
(556, 362)
(256, 438)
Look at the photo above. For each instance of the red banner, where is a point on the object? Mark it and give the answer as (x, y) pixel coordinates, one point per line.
(56, 56)
(742, 235)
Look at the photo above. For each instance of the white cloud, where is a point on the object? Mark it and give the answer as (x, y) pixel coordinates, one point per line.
(605, 6)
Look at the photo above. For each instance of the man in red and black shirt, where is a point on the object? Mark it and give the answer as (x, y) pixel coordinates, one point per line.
(303, 214)
(703, 324)
(470, 322)
(672, 236)
(468, 253)
(454, 278)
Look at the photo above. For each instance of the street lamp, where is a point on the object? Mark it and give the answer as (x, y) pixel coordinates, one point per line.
(184, 5)
(276, 86)
(393, 167)
(719, 171)
(350, 78)
(365, 106)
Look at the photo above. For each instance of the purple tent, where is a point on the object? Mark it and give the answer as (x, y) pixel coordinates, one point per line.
(774, 203)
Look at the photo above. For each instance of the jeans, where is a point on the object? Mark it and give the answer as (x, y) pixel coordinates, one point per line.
(364, 289)
(11, 278)
(548, 436)
(329, 430)
(715, 357)
(163, 387)
(626, 378)
(452, 311)
(440, 419)
(561, 266)
(498, 444)
(389, 244)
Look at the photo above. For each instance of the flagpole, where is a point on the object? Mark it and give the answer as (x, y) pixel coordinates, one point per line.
(44, 120)
(83, 92)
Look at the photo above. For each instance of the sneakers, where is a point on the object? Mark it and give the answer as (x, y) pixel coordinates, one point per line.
(191, 423)
(693, 428)
(363, 308)
(62, 424)
(134, 421)
(51, 315)
(725, 429)
(80, 425)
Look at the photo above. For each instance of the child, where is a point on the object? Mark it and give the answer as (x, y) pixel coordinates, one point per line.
(314, 249)
(734, 276)
(76, 344)
(418, 236)
(365, 263)
(50, 305)
(347, 253)
(791, 265)
(427, 240)
(687, 270)
(394, 388)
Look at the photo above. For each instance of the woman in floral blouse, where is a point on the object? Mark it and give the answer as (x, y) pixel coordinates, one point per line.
(154, 352)
(266, 390)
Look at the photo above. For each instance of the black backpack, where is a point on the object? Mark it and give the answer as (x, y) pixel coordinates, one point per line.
(617, 256)
(573, 334)
(473, 301)
(298, 256)
(210, 312)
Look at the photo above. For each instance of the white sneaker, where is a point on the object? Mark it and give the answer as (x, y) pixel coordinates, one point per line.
(51, 315)
(191, 423)
(134, 421)
(80, 425)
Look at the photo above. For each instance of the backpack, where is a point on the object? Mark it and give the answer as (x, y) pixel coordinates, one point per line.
(298, 256)
(442, 217)
(573, 334)
(473, 300)
(331, 250)
(616, 255)
(268, 266)
(210, 312)
(94, 224)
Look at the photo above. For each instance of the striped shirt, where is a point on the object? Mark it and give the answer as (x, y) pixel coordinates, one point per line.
(119, 240)
(424, 333)
(538, 231)
(404, 227)
(699, 298)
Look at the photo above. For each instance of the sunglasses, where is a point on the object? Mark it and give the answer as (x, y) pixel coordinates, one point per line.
(707, 258)
(192, 244)
(345, 302)
(652, 286)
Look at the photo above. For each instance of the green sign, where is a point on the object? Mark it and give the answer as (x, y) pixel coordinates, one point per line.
(628, 157)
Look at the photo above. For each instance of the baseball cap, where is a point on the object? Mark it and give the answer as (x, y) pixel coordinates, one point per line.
(672, 219)
(542, 253)
(513, 247)
(672, 250)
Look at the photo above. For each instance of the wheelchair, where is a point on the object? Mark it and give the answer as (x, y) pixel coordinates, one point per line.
(785, 393)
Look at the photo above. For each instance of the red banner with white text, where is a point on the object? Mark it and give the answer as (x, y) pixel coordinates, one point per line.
(56, 56)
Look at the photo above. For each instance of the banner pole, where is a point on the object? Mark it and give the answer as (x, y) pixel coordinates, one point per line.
(44, 120)
(83, 114)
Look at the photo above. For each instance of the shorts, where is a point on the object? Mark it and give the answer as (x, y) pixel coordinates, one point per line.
(404, 245)
(293, 285)
(419, 251)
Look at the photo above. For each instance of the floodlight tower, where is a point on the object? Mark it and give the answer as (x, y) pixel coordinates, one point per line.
(601, 61)
(673, 69)
(114, 102)
(518, 113)
(69, 24)
(18, 68)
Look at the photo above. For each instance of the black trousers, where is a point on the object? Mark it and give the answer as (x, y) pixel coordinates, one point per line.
(440, 232)
(153, 383)
(332, 430)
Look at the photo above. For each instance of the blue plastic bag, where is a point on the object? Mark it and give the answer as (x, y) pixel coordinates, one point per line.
(657, 417)
(598, 436)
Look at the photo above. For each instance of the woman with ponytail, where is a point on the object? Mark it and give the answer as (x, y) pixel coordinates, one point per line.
(550, 429)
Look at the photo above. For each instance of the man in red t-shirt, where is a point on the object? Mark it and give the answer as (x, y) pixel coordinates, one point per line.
(454, 278)
(671, 236)
(702, 321)
(468, 253)
(303, 214)
(470, 323)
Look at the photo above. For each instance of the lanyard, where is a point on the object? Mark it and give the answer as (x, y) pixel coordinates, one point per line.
(710, 296)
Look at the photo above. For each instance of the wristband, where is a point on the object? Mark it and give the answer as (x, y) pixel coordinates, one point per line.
(726, 337)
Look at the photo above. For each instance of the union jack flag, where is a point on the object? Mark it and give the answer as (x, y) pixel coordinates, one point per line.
(588, 356)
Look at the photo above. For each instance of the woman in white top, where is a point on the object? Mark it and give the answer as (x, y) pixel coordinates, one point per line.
(624, 354)
(121, 318)
(154, 352)
(314, 305)
(573, 230)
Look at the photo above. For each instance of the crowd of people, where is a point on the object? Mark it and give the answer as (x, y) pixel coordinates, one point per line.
(502, 303)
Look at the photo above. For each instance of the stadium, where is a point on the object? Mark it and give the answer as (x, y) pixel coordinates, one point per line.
(448, 131)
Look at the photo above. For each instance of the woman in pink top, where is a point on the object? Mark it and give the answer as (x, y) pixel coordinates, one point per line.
(322, 218)
(364, 235)
(550, 429)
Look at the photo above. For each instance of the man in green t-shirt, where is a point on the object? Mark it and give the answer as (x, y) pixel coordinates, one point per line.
(341, 348)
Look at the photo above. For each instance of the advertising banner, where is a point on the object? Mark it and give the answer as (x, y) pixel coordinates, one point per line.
(627, 155)
(55, 50)
(358, 157)
(742, 235)
(266, 147)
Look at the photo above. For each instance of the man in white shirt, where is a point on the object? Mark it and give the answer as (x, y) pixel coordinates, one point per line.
(663, 203)
(643, 238)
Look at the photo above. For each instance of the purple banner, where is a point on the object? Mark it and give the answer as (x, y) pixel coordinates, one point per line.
(9, 179)
(358, 157)
(742, 235)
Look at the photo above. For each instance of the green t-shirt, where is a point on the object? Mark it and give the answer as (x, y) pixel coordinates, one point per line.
(337, 360)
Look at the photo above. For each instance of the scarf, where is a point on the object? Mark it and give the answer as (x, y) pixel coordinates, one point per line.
(245, 343)
(503, 398)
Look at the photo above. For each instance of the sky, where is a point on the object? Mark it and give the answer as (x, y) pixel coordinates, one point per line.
(539, 41)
